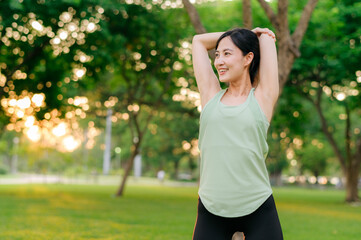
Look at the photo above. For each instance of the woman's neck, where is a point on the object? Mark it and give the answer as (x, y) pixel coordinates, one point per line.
(239, 88)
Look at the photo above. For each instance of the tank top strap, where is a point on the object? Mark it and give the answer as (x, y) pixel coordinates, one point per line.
(252, 93)
(220, 94)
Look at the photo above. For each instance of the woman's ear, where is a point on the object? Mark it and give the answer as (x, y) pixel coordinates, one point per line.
(248, 59)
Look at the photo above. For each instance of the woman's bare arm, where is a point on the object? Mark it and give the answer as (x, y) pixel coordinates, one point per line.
(207, 81)
(268, 87)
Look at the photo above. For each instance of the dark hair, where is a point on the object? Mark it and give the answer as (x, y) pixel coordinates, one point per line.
(246, 41)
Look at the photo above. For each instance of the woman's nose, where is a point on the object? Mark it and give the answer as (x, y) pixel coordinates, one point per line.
(218, 61)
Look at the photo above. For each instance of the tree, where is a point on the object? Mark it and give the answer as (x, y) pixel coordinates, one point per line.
(326, 78)
(133, 49)
(46, 53)
(145, 60)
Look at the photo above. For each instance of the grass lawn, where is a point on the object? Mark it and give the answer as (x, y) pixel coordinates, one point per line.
(156, 213)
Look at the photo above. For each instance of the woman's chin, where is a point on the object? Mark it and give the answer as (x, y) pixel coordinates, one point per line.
(224, 80)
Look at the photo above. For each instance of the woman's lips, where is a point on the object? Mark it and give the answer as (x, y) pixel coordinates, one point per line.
(222, 71)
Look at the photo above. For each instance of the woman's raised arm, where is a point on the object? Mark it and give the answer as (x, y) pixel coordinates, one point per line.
(207, 81)
(268, 87)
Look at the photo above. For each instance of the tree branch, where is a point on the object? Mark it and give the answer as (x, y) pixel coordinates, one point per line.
(196, 22)
(303, 23)
(247, 14)
(270, 13)
(324, 126)
(194, 16)
(293, 48)
(280, 23)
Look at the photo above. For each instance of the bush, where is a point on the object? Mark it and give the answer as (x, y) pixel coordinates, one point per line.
(3, 170)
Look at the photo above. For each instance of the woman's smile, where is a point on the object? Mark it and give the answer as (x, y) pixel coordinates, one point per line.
(222, 71)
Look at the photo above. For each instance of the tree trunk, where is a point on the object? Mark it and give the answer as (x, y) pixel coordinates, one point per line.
(135, 127)
(128, 169)
(176, 169)
(352, 176)
(247, 14)
(137, 137)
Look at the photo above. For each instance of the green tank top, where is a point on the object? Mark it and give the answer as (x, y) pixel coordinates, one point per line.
(232, 140)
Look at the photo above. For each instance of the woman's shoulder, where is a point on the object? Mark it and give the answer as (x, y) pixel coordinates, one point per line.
(214, 99)
(212, 94)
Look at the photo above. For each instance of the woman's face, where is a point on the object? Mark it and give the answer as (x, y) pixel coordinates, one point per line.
(229, 61)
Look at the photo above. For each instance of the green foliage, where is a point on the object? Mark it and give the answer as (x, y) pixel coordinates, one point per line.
(3, 170)
(142, 51)
(328, 65)
(134, 52)
(229, 15)
(34, 54)
(163, 145)
(315, 155)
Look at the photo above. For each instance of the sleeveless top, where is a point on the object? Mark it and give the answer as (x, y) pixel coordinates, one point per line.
(234, 180)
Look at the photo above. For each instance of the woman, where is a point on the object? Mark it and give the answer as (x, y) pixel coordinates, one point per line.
(234, 191)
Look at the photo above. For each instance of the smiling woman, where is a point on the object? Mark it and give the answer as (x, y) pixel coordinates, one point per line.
(234, 191)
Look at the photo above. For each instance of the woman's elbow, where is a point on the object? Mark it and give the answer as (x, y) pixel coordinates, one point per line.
(196, 38)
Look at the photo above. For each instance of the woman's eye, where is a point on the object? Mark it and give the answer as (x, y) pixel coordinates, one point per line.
(227, 53)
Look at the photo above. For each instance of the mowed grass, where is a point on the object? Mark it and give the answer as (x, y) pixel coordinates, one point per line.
(313, 214)
(156, 213)
(92, 212)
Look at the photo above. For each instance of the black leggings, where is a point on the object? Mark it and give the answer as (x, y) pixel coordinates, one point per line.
(262, 224)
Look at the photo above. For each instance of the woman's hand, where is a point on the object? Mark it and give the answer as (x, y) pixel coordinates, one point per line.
(259, 31)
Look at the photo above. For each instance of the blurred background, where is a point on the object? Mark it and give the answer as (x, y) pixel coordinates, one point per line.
(101, 90)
